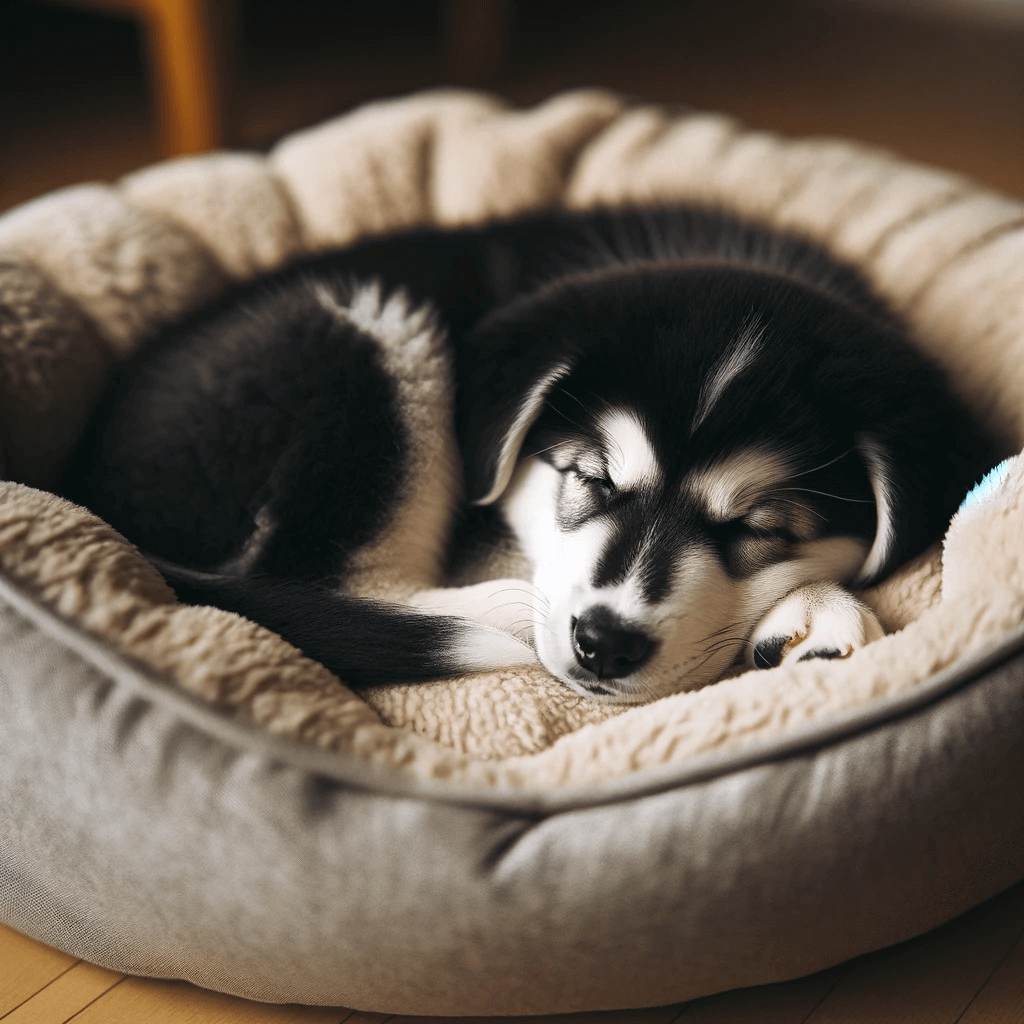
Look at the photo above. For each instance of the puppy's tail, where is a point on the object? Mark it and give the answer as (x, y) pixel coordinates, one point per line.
(363, 642)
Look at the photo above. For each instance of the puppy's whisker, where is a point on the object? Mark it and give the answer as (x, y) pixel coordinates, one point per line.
(718, 632)
(533, 595)
(569, 394)
(700, 664)
(726, 642)
(566, 417)
(520, 628)
(825, 494)
(710, 651)
(550, 448)
(803, 505)
(514, 604)
(535, 602)
(824, 465)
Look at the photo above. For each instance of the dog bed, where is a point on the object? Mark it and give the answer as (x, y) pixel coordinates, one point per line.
(184, 795)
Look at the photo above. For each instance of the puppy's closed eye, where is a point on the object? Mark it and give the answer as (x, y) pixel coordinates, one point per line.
(765, 518)
(776, 518)
(585, 492)
(597, 482)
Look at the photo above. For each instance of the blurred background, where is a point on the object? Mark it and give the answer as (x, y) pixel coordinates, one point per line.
(91, 89)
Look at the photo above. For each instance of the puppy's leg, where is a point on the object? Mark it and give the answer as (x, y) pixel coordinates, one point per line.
(818, 620)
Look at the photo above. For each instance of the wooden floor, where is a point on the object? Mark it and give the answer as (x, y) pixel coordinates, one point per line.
(970, 971)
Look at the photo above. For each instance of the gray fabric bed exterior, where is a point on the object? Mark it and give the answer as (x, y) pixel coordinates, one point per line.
(159, 838)
(182, 794)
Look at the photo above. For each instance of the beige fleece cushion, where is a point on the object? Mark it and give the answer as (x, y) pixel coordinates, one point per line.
(86, 274)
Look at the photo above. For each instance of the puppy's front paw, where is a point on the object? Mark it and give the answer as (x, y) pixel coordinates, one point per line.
(819, 620)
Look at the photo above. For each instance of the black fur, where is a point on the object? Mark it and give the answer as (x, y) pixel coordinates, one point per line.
(795, 399)
(380, 641)
(265, 401)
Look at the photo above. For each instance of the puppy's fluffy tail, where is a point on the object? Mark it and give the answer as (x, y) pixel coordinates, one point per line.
(363, 642)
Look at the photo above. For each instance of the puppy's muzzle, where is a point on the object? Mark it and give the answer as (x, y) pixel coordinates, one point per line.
(608, 645)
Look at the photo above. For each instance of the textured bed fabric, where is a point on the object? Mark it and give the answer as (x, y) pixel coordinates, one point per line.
(185, 795)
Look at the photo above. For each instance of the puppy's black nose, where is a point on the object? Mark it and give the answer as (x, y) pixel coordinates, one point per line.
(607, 645)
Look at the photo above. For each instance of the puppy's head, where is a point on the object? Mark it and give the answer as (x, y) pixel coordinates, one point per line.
(677, 449)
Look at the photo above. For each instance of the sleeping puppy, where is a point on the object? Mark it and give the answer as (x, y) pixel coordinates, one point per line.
(697, 430)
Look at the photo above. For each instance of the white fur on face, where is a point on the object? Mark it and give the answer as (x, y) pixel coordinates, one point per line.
(631, 459)
(559, 559)
(706, 619)
(563, 566)
(703, 598)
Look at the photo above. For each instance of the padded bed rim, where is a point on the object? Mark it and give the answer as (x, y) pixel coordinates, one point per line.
(349, 770)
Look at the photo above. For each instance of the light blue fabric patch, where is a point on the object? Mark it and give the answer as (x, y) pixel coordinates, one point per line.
(992, 479)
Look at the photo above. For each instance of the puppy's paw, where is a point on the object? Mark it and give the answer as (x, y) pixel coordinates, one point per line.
(819, 620)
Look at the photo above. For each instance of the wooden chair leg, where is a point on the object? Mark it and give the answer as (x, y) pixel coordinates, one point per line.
(190, 42)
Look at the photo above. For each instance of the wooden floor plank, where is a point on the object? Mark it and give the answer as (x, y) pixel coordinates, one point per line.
(1001, 1001)
(653, 1015)
(932, 979)
(402, 1019)
(27, 966)
(177, 1002)
(65, 996)
(789, 1002)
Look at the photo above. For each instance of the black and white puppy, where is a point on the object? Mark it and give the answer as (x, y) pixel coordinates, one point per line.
(695, 429)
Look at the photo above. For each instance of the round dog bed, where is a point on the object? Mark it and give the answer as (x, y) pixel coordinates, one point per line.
(184, 795)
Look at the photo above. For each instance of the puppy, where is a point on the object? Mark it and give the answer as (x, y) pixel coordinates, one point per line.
(697, 430)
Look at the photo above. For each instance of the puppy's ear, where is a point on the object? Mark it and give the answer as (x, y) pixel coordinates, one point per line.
(505, 376)
(882, 474)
